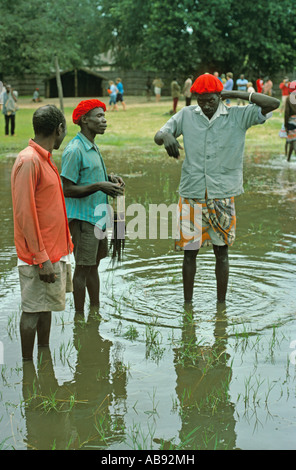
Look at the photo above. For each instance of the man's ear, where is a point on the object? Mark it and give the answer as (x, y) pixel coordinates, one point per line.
(83, 119)
(60, 129)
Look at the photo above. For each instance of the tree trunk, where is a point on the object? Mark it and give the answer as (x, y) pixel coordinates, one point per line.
(76, 82)
(59, 83)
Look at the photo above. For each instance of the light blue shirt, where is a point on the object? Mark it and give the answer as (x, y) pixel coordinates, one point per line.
(82, 163)
(5, 98)
(242, 84)
(214, 148)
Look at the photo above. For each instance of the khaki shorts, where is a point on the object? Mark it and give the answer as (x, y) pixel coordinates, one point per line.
(40, 296)
(89, 248)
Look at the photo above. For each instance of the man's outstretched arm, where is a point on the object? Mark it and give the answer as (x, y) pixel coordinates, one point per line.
(266, 103)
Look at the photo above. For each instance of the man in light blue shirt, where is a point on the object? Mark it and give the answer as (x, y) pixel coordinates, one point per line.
(86, 188)
(212, 172)
(241, 84)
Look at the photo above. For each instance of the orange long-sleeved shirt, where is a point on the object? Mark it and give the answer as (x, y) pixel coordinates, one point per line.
(41, 230)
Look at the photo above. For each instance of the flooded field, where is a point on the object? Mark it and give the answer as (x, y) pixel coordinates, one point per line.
(144, 372)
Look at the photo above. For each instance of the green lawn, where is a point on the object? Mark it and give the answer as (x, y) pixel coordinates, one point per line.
(132, 130)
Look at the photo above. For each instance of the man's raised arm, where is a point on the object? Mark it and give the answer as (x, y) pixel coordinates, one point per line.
(266, 103)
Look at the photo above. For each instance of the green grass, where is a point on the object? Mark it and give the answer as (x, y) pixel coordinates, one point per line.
(132, 131)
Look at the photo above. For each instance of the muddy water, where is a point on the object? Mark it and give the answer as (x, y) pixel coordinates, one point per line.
(145, 372)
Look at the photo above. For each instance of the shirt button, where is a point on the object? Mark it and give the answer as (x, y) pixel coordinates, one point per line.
(208, 157)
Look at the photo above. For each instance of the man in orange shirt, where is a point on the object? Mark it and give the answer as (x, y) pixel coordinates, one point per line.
(41, 233)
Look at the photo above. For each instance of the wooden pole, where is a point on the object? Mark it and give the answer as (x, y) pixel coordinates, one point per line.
(76, 82)
(59, 83)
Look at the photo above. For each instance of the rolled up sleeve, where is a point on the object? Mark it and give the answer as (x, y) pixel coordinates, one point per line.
(27, 230)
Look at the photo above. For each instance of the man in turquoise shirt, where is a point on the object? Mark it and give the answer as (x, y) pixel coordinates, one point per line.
(86, 188)
(212, 172)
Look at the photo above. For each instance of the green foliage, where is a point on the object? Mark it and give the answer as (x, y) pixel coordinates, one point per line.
(31, 33)
(172, 36)
(198, 36)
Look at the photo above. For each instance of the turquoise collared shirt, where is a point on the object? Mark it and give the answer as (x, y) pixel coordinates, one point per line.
(214, 148)
(82, 163)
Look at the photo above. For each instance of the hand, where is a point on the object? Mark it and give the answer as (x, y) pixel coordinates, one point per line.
(112, 189)
(116, 179)
(46, 273)
(171, 145)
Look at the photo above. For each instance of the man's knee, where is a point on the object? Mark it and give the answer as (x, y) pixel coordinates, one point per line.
(221, 253)
(190, 255)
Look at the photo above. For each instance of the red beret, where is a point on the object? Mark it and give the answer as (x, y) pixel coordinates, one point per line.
(84, 107)
(292, 86)
(207, 83)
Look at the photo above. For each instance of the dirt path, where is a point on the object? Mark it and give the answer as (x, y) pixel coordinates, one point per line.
(131, 101)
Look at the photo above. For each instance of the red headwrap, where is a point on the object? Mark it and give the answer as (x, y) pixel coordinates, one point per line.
(207, 83)
(84, 107)
(292, 86)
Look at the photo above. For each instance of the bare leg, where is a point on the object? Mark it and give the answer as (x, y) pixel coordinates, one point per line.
(28, 327)
(290, 151)
(189, 270)
(31, 323)
(43, 328)
(85, 277)
(222, 271)
(79, 287)
(93, 286)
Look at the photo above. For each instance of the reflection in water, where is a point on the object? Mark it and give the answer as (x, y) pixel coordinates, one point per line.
(203, 379)
(189, 359)
(76, 414)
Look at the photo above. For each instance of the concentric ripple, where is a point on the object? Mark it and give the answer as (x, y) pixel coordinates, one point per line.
(261, 290)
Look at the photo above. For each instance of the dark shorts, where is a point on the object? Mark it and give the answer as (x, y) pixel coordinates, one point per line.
(90, 243)
(119, 97)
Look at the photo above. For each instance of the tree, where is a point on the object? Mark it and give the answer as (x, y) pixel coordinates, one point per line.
(200, 35)
(162, 35)
(31, 33)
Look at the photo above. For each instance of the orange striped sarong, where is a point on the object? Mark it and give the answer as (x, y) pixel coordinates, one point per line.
(204, 222)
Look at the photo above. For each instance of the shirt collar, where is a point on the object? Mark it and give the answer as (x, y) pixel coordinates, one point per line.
(222, 109)
(40, 150)
(87, 143)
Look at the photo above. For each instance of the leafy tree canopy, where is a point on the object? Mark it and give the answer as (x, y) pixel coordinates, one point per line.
(172, 36)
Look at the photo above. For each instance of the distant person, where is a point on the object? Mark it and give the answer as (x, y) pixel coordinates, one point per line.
(186, 90)
(2, 91)
(223, 78)
(9, 109)
(41, 233)
(36, 96)
(158, 85)
(284, 87)
(112, 90)
(119, 96)
(212, 172)
(241, 84)
(250, 88)
(148, 89)
(259, 85)
(267, 87)
(86, 187)
(290, 119)
(216, 74)
(175, 92)
(228, 85)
